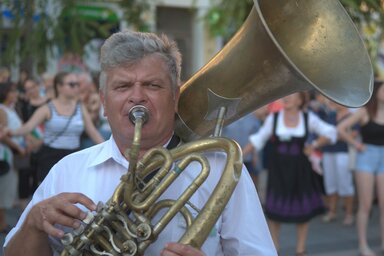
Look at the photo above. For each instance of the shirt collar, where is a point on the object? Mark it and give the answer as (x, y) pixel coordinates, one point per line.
(109, 150)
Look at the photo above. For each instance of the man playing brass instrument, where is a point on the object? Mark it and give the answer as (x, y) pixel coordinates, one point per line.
(137, 69)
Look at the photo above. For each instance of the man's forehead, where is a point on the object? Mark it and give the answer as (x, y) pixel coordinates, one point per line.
(134, 71)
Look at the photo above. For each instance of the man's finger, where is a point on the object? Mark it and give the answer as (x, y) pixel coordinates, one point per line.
(75, 198)
(51, 230)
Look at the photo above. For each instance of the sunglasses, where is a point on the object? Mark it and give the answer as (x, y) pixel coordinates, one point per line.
(72, 84)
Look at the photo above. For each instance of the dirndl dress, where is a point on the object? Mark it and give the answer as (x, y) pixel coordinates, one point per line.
(294, 192)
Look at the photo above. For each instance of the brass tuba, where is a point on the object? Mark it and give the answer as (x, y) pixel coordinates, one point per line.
(283, 47)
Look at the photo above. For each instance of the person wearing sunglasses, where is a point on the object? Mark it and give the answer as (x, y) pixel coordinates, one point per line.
(64, 119)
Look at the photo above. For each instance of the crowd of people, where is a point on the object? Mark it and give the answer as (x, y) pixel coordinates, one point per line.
(44, 120)
(348, 163)
(51, 123)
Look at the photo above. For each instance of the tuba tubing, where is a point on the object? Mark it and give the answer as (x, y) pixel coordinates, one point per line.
(202, 225)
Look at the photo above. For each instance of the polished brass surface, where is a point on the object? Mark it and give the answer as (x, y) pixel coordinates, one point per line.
(112, 230)
(124, 225)
(283, 47)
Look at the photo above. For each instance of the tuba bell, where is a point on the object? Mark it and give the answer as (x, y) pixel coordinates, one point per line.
(283, 47)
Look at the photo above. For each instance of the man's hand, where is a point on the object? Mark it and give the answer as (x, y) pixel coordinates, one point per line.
(61, 210)
(177, 249)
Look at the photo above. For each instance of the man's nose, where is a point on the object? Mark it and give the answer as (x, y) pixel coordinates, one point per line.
(137, 95)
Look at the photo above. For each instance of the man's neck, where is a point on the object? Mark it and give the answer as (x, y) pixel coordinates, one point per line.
(149, 144)
(145, 144)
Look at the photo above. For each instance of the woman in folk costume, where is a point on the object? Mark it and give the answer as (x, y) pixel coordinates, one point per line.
(294, 193)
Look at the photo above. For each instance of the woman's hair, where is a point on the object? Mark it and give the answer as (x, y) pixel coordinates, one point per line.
(304, 96)
(5, 89)
(127, 47)
(58, 80)
(372, 104)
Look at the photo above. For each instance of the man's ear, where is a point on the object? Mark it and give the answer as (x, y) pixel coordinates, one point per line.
(102, 99)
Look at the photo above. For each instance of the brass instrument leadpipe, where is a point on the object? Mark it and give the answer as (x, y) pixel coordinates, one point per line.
(138, 116)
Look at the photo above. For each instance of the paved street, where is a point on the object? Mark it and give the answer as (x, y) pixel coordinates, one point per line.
(331, 239)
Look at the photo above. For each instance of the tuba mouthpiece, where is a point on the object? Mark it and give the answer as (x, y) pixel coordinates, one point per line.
(138, 111)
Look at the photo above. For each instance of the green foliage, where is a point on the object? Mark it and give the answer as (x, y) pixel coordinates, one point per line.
(134, 11)
(225, 17)
(34, 32)
(29, 35)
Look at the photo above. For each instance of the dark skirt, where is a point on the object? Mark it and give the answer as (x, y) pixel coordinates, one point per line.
(294, 192)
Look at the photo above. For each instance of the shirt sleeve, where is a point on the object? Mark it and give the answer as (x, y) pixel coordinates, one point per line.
(259, 139)
(321, 128)
(44, 191)
(244, 230)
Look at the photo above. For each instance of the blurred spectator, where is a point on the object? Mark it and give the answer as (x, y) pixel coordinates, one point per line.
(48, 91)
(89, 96)
(64, 119)
(8, 100)
(338, 178)
(318, 104)
(23, 76)
(5, 75)
(293, 194)
(32, 100)
(28, 174)
(8, 146)
(369, 169)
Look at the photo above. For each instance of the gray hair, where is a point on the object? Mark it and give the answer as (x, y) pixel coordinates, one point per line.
(128, 47)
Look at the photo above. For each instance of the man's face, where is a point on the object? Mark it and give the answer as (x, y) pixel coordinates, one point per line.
(145, 83)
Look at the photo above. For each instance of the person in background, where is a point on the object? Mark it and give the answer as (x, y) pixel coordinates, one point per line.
(338, 179)
(369, 166)
(138, 69)
(5, 75)
(89, 96)
(293, 193)
(47, 90)
(64, 119)
(28, 178)
(8, 147)
(33, 99)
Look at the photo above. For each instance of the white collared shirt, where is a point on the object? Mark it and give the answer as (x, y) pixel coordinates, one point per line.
(96, 172)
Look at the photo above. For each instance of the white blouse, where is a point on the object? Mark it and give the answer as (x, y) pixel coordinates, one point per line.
(315, 125)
